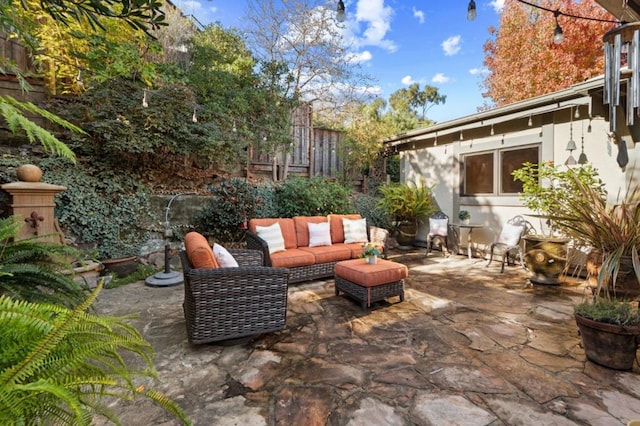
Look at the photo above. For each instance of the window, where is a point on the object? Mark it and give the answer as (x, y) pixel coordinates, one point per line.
(489, 173)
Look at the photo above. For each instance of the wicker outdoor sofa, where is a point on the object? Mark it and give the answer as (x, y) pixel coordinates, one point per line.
(305, 262)
(231, 302)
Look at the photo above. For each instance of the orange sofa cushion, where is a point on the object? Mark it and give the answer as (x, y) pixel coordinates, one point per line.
(360, 272)
(199, 251)
(292, 258)
(335, 226)
(326, 254)
(302, 227)
(286, 226)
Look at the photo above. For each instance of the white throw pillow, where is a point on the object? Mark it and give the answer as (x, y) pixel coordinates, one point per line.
(438, 227)
(272, 234)
(355, 230)
(510, 234)
(319, 234)
(223, 257)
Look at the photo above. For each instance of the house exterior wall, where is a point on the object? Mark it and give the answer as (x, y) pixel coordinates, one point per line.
(440, 166)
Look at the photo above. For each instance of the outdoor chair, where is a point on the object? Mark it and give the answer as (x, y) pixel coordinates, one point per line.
(438, 230)
(231, 302)
(508, 242)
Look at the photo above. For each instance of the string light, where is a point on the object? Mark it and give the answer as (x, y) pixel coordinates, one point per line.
(471, 10)
(144, 99)
(530, 122)
(461, 136)
(194, 118)
(558, 35)
(341, 11)
(492, 132)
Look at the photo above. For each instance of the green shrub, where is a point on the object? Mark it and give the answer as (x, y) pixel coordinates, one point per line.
(108, 209)
(224, 218)
(312, 197)
(365, 205)
(30, 269)
(57, 364)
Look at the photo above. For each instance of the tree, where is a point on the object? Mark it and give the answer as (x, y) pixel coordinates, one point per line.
(305, 38)
(416, 102)
(19, 19)
(523, 60)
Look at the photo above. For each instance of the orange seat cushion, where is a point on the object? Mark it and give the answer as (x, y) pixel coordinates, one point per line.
(358, 271)
(326, 254)
(291, 258)
(199, 251)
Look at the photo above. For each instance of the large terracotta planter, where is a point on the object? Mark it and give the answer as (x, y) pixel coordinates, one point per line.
(546, 258)
(627, 285)
(609, 345)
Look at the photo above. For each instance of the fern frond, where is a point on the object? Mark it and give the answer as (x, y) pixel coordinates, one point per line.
(70, 360)
(12, 111)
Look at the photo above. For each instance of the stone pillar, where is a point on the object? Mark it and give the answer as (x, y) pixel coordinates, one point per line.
(33, 202)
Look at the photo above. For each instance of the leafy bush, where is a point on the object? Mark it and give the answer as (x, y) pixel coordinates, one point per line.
(311, 197)
(56, 364)
(224, 218)
(365, 205)
(108, 209)
(30, 268)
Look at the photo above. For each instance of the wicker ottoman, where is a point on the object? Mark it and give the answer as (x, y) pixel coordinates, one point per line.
(370, 283)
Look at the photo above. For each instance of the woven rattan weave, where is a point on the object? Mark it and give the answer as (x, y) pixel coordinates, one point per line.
(229, 303)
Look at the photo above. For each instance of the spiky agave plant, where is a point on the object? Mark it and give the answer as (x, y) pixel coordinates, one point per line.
(57, 364)
(30, 269)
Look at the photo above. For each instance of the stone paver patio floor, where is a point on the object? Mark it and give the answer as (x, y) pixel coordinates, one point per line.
(469, 346)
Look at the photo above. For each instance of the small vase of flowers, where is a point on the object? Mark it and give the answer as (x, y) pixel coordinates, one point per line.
(371, 252)
(464, 216)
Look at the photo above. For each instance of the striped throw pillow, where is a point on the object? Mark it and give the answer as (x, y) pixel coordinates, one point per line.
(273, 236)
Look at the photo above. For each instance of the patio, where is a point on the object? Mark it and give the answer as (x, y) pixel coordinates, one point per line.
(468, 346)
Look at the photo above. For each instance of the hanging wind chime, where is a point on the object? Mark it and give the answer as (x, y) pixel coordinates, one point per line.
(622, 46)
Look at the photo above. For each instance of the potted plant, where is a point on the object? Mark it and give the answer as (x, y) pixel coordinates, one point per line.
(464, 217)
(371, 252)
(609, 323)
(408, 204)
(545, 190)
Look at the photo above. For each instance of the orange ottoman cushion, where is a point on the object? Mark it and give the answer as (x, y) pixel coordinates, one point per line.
(360, 272)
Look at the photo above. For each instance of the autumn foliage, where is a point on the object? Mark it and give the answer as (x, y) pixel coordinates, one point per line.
(523, 60)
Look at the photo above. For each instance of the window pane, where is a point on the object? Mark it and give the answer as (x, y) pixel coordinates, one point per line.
(512, 160)
(478, 174)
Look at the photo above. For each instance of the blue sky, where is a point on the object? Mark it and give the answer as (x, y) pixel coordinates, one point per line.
(401, 42)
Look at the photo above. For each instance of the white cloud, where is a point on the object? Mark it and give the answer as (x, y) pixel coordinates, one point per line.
(407, 80)
(418, 14)
(213, 9)
(360, 57)
(478, 71)
(451, 46)
(440, 78)
(497, 5)
(376, 18)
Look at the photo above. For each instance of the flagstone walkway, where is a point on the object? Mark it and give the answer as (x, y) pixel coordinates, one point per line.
(468, 346)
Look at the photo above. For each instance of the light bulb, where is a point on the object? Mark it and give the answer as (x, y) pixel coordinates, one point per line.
(341, 12)
(558, 36)
(530, 122)
(471, 10)
(492, 132)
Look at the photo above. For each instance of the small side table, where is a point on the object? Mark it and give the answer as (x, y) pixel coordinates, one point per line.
(470, 227)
